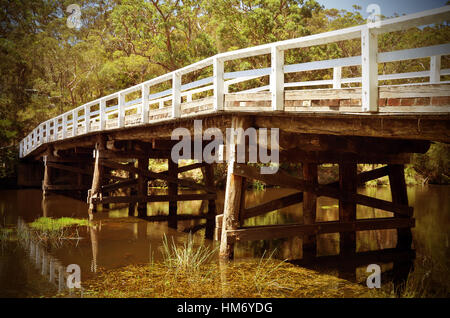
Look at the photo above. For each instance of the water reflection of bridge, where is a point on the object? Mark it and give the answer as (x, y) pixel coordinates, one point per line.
(351, 121)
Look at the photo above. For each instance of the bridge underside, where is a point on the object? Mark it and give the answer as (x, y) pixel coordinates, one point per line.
(119, 171)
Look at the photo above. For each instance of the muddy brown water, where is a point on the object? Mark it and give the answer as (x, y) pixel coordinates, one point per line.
(119, 240)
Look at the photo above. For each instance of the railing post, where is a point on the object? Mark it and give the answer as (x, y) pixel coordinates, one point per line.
(435, 69)
(144, 105)
(176, 94)
(41, 135)
(64, 126)
(55, 129)
(21, 148)
(87, 118)
(29, 143)
(369, 54)
(337, 77)
(218, 83)
(277, 78)
(102, 114)
(75, 122)
(47, 131)
(35, 137)
(121, 114)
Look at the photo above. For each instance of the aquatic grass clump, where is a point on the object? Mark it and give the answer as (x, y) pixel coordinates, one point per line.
(56, 230)
(266, 272)
(5, 233)
(46, 224)
(186, 257)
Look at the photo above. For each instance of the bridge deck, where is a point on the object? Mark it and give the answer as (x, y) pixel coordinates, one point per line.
(206, 87)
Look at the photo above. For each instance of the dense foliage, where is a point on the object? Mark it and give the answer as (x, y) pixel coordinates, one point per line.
(48, 68)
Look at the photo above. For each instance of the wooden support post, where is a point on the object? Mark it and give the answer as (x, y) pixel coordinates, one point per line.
(142, 187)
(106, 180)
(347, 210)
(133, 193)
(47, 177)
(97, 177)
(233, 192)
(208, 173)
(400, 196)
(309, 209)
(172, 191)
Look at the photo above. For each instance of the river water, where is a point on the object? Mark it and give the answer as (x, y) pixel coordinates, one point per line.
(118, 240)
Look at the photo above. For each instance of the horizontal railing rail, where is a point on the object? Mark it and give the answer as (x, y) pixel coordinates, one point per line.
(114, 111)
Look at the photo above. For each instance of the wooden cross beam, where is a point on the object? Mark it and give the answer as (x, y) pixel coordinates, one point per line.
(154, 154)
(121, 184)
(159, 175)
(154, 198)
(276, 204)
(282, 179)
(87, 171)
(269, 232)
(296, 198)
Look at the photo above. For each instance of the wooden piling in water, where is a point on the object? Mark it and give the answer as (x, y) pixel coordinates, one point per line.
(47, 173)
(309, 208)
(233, 190)
(208, 174)
(142, 187)
(400, 196)
(172, 192)
(97, 177)
(347, 210)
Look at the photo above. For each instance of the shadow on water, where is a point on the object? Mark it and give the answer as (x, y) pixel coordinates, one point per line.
(116, 240)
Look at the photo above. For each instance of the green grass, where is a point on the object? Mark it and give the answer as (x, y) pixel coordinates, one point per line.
(265, 276)
(55, 231)
(6, 235)
(186, 257)
(45, 224)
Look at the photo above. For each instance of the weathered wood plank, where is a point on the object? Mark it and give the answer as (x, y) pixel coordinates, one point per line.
(118, 185)
(191, 167)
(270, 232)
(86, 171)
(154, 198)
(61, 187)
(276, 204)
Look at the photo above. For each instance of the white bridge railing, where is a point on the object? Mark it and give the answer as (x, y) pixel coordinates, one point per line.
(116, 111)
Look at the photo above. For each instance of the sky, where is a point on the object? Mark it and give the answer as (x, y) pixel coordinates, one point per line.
(388, 7)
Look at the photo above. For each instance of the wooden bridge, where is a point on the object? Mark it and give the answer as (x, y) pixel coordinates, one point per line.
(341, 120)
